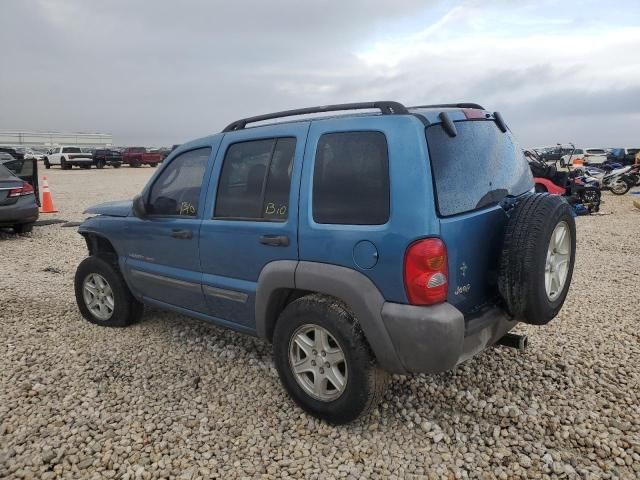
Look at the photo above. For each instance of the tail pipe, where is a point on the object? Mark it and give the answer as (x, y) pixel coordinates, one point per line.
(513, 340)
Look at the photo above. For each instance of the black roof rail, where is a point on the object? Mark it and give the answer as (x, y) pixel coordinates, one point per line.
(452, 105)
(386, 108)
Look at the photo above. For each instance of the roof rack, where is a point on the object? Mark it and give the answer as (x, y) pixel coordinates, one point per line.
(452, 105)
(386, 108)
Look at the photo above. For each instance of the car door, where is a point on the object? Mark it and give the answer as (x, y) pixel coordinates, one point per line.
(163, 261)
(251, 216)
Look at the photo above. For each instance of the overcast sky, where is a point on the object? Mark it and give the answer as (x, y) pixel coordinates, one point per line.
(165, 71)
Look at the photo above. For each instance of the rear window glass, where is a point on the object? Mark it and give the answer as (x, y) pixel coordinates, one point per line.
(5, 174)
(476, 168)
(21, 168)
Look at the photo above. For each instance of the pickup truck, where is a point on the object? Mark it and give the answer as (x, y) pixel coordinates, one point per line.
(137, 156)
(105, 156)
(67, 157)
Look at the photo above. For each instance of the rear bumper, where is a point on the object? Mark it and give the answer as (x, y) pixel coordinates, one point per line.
(437, 338)
(21, 212)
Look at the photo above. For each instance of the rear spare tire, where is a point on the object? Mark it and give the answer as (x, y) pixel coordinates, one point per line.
(537, 259)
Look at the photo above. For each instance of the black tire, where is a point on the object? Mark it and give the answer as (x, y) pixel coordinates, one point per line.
(116, 165)
(23, 227)
(524, 255)
(540, 188)
(135, 164)
(64, 165)
(623, 191)
(153, 165)
(126, 308)
(365, 381)
(100, 164)
(47, 165)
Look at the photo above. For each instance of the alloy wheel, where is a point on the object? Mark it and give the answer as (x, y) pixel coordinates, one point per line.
(98, 296)
(558, 258)
(318, 363)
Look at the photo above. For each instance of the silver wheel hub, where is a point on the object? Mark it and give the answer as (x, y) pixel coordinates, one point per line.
(318, 363)
(558, 257)
(98, 296)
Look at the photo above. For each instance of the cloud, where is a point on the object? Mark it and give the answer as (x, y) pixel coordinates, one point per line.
(165, 72)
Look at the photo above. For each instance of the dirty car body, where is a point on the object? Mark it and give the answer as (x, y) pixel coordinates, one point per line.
(400, 217)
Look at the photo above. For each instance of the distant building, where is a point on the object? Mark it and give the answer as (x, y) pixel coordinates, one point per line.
(54, 138)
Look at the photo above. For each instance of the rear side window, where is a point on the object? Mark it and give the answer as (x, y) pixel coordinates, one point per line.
(351, 179)
(478, 167)
(177, 190)
(71, 150)
(255, 180)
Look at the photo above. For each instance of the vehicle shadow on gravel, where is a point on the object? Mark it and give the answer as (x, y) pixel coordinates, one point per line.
(9, 234)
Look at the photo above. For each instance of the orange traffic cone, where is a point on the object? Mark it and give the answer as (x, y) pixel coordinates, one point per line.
(47, 200)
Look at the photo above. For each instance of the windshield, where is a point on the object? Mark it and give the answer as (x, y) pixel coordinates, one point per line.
(478, 167)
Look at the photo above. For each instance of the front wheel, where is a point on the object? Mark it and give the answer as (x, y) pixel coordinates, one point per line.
(620, 187)
(100, 164)
(47, 165)
(153, 165)
(324, 361)
(102, 294)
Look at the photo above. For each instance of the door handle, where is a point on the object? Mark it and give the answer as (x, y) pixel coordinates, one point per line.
(275, 240)
(181, 234)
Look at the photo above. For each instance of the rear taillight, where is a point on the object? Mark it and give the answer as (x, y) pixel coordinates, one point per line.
(426, 275)
(25, 189)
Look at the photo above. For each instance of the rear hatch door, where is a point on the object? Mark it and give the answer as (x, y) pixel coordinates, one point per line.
(24, 169)
(8, 181)
(476, 174)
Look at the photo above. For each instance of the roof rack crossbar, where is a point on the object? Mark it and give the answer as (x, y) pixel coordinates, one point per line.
(475, 106)
(386, 108)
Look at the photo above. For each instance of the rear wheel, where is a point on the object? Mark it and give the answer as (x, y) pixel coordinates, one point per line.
(100, 164)
(116, 165)
(23, 227)
(102, 294)
(135, 164)
(538, 257)
(324, 361)
(153, 165)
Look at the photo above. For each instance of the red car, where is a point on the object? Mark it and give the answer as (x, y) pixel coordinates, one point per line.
(137, 156)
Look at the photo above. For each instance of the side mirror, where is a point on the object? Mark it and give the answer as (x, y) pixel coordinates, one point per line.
(139, 207)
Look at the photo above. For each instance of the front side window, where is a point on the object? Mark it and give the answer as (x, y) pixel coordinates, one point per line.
(177, 190)
(255, 180)
(351, 179)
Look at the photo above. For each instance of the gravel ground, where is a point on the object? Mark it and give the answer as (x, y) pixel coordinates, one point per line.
(172, 397)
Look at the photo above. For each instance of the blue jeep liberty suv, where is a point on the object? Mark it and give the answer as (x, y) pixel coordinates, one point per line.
(378, 239)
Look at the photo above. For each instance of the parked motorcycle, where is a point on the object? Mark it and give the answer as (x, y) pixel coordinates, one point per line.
(618, 181)
(576, 186)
